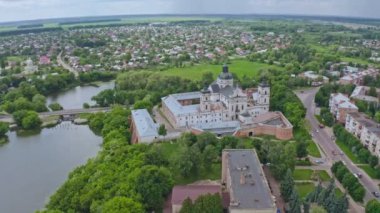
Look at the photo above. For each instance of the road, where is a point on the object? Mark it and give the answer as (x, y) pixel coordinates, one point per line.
(323, 138)
(66, 66)
(9, 119)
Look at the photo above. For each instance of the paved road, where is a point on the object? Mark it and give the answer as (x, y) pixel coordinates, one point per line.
(8, 118)
(323, 138)
(66, 66)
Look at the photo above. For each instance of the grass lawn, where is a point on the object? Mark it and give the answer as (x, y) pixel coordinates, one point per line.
(304, 189)
(323, 175)
(370, 171)
(237, 67)
(313, 150)
(348, 152)
(338, 192)
(302, 174)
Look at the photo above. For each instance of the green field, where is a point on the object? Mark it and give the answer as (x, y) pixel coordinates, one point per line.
(313, 150)
(237, 67)
(323, 175)
(304, 189)
(309, 174)
(302, 174)
(348, 152)
(370, 171)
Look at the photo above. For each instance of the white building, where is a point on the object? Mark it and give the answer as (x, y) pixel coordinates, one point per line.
(222, 101)
(143, 128)
(30, 67)
(340, 105)
(367, 130)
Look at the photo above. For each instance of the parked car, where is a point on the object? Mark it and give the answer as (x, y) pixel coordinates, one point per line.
(321, 126)
(376, 194)
(319, 161)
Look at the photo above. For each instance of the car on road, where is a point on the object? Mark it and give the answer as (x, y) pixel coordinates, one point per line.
(319, 161)
(321, 126)
(358, 175)
(376, 194)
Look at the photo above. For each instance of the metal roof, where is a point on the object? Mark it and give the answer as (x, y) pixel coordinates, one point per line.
(249, 187)
(144, 123)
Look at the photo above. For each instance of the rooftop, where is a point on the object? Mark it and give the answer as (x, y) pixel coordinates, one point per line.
(368, 123)
(145, 125)
(176, 108)
(249, 187)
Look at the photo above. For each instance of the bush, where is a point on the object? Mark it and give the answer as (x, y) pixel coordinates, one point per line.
(349, 181)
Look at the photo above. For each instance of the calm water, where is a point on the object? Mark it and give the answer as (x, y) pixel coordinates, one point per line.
(76, 97)
(33, 167)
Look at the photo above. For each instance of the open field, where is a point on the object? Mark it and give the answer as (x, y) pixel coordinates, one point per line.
(237, 67)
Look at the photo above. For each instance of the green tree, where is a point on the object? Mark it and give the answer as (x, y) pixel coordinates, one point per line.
(301, 149)
(55, 106)
(209, 155)
(318, 209)
(295, 202)
(187, 206)
(31, 121)
(207, 78)
(295, 113)
(122, 205)
(162, 130)
(153, 184)
(287, 185)
(208, 204)
(4, 128)
(373, 206)
(143, 104)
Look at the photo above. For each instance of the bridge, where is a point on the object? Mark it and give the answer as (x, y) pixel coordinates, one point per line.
(68, 112)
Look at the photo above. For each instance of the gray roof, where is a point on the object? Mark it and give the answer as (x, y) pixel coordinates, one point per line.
(249, 187)
(368, 123)
(176, 108)
(215, 88)
(145, 125)
(227, 91)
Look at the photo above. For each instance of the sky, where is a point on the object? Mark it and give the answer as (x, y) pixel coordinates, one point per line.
(15, 10)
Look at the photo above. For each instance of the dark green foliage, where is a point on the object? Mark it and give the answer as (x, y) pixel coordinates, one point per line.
(301, 149)
(122, 205)
(188, 161)
(204, 203)
(295, 202)
(87, 77)
(327, 117)
(121, 177)
(373, 206)
(4, 128)
(55, 107)
(350, 140)
(349, 181)
(281, 158)
(162, 130)
(287, 185)
(152, 183)
(28, 120)
(327, 198)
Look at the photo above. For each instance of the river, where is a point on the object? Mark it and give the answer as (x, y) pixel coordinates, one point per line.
(76, 97)
(33, 167)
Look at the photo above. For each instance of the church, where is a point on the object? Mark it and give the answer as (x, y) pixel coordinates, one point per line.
(225, 108)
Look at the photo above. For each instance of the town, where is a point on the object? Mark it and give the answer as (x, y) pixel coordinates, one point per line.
(193, 114)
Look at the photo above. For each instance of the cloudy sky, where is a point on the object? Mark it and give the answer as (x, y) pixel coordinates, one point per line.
(11, 10)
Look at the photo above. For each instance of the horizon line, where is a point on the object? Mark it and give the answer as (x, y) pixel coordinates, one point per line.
(191, 14)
